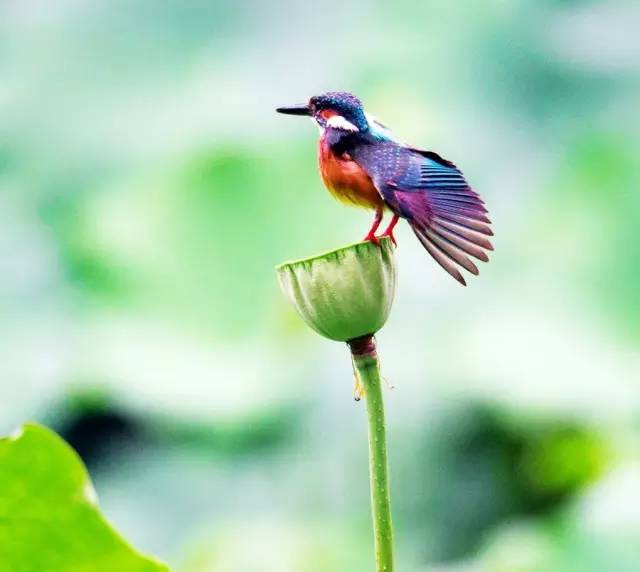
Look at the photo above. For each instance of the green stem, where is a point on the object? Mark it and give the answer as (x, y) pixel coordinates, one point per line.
(366, 362)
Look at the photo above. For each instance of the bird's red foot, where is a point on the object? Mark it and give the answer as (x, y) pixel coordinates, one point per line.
(389, 230)
(371, 237)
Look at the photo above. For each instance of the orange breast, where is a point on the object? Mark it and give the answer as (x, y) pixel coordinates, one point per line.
(346, 180)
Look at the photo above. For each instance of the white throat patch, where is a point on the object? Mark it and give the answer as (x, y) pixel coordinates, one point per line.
(339, 122)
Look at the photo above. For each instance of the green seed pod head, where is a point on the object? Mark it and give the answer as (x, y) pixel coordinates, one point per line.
(345, 293)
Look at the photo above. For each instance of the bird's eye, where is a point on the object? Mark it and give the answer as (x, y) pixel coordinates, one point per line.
(327, 113)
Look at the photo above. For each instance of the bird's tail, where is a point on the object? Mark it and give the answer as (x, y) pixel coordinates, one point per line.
(450, 239)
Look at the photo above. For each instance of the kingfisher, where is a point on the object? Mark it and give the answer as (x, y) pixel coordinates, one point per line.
(363, 164)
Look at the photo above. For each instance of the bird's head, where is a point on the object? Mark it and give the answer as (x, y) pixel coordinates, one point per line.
(333, 110)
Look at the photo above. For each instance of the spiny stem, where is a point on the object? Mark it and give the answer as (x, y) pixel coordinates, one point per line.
(367, 366)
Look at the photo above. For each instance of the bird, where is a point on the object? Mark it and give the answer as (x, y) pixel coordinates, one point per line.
(363, 164)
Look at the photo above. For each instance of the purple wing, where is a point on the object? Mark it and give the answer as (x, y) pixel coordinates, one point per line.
(447, 216)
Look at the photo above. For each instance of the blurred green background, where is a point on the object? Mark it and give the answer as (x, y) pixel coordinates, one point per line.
(147, 189)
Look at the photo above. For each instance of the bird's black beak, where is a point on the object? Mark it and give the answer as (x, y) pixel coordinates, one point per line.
(302, 109)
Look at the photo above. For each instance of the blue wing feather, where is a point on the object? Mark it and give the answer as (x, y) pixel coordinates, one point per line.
(431, 193)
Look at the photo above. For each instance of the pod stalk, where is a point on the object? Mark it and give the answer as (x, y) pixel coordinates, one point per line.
(367, 366)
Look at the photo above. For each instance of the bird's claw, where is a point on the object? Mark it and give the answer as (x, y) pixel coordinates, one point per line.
(372, 238)
(390, 235)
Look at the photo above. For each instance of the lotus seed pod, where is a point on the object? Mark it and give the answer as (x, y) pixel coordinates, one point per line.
(345, 293)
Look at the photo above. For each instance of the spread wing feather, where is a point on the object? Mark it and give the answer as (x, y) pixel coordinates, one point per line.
(446, 214)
